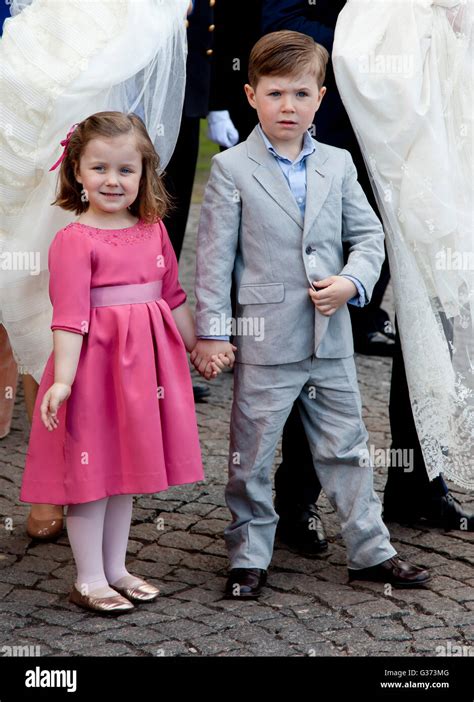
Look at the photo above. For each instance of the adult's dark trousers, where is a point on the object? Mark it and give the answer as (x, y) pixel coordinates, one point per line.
(179, 180)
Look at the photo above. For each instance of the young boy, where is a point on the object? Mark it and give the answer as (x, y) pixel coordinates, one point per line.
(276, 212)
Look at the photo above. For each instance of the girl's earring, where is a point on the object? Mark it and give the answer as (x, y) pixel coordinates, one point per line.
(84, 195)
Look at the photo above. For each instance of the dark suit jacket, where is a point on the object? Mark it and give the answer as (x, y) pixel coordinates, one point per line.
(238, 27)
(4, 14)
(200, 58)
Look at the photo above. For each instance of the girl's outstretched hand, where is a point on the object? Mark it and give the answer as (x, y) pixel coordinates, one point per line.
(52, 401)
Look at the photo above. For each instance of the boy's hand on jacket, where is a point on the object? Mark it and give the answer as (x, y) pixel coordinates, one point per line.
(335, 291)
(52, 401)
(209, 357)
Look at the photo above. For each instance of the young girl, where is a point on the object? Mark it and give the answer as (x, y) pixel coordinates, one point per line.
(114, 414)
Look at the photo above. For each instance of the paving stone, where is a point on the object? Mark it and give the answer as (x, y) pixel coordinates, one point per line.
(328, 623)
(19, 577)
(191, 577)
(206, 562)
(442, 632)
(134, 635)
(159, 505)
(415, 622)
(394, 632)
(161, 554)
(184, 540)
(149, 569)
(172, 521)
(199, 594)
(211, 527)
(381, 608)
(44, 633)
(55, 586)
(110, 650)
(197, 508)
(144, 532)
(179, 609)
(31, 597)
(59, 617)
(168, 649)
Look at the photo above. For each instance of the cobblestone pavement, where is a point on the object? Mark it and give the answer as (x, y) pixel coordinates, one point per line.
(176, 541)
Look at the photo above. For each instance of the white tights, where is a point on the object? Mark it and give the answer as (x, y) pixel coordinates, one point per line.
(98, 533)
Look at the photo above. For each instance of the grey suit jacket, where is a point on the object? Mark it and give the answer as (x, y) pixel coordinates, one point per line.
(251, 228)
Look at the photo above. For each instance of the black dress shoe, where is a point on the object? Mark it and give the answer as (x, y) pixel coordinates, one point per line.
(245, 583)
(200, 392)
(375, 344)
(444, 512)
(301, 529)
(453, 516)
(395, 571)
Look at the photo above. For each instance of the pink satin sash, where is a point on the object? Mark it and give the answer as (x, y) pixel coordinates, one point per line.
(109, 295)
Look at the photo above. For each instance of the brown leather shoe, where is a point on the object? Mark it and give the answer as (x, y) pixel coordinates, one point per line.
(395, 571)
(106, 605)
(44, 529)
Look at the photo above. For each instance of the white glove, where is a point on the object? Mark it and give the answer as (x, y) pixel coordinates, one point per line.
(220, 128)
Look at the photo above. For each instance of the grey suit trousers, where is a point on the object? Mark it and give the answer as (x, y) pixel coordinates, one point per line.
(328, 396)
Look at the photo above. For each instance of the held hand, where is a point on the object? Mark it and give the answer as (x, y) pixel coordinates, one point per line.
(52, 401)
(335, 291)
(202, 354)
(216, 366)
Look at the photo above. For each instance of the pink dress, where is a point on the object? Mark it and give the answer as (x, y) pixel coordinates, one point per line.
(129, 425)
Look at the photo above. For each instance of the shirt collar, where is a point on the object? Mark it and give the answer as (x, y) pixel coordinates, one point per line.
(308, 147)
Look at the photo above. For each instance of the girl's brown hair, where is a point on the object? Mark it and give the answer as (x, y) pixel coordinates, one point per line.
(287, 53)
(152, 201)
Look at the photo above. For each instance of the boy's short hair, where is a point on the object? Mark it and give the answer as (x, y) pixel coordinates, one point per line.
(287, 53)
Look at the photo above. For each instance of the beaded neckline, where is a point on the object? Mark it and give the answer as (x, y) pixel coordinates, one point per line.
(141, 231)
(138, 225)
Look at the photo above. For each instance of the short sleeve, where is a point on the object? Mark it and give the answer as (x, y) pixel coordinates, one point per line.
(172, 291)
(69, 263)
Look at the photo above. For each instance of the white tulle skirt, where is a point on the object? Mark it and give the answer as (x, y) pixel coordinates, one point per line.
(404, 70)
(61, 61)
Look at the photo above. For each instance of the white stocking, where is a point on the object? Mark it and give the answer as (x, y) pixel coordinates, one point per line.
(85, 527)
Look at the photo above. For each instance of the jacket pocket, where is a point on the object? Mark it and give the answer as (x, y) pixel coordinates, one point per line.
(261, 294)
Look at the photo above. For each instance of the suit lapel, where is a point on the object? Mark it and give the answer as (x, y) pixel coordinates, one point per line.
(268, 173)
(318, 183)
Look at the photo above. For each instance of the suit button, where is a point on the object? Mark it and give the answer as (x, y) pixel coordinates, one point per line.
(212, 3)
(309, 249)
(212, 27)
(209, 52)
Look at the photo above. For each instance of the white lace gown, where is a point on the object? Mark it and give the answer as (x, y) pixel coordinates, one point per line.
(61, 61)
(404, 70)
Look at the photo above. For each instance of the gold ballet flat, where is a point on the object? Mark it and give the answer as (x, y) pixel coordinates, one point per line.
(144, 592)
(44, 529)
(107, 605)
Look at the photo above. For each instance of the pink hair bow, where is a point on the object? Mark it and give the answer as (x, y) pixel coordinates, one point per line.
(65, 144)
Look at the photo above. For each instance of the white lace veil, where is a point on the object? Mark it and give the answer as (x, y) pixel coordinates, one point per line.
(404, 69)
(61, 61)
